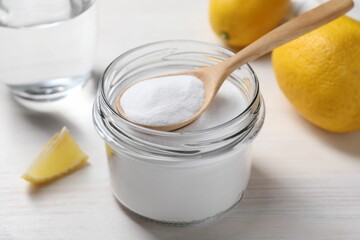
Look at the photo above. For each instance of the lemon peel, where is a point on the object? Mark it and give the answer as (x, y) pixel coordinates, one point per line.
(319, 74)
(240, 22)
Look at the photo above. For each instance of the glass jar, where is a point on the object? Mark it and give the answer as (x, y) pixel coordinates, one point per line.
(177, 177)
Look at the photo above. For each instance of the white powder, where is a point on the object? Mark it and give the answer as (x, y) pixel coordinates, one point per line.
(190, 191)
(181, 194)
(227, 104)
(163, 101)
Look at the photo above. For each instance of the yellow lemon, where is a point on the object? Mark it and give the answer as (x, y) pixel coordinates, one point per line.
(320, 75)
(240, 22)
(60, 156)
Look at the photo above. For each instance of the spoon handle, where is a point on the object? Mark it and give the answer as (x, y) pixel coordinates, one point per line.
(286, 32)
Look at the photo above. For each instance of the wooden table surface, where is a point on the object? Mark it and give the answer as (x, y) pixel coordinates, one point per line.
(305, 182)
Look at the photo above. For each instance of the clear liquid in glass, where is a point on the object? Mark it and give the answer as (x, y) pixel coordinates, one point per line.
(47, 47)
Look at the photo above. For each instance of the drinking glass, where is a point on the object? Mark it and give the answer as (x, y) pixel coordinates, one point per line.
(47, 47)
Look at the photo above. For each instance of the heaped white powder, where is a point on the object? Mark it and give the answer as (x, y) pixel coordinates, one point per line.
(190, 192)
(228, 103)
(163, 101)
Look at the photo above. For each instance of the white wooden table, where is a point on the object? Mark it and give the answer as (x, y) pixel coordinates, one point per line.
(305, 182)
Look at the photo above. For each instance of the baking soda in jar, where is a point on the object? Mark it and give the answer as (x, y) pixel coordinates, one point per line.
(187, 176)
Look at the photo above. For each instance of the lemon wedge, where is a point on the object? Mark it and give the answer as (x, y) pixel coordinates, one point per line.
(60, 156)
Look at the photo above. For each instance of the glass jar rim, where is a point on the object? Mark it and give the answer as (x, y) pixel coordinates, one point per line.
(174, 134)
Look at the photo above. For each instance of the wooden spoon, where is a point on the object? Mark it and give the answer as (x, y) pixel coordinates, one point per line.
(214, 76)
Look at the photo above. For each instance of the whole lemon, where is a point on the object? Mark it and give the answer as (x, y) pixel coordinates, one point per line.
(240, 22)
(320, 75)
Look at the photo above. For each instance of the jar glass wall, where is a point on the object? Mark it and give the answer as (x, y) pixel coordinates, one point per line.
(177, 177)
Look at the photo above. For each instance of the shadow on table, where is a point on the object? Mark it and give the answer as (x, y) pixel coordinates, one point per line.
(348, 143)
(51, 117)
(244, 220)
(94, 83)
(48, 122)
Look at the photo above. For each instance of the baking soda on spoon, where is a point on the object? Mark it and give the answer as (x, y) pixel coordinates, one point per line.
(163, 101)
